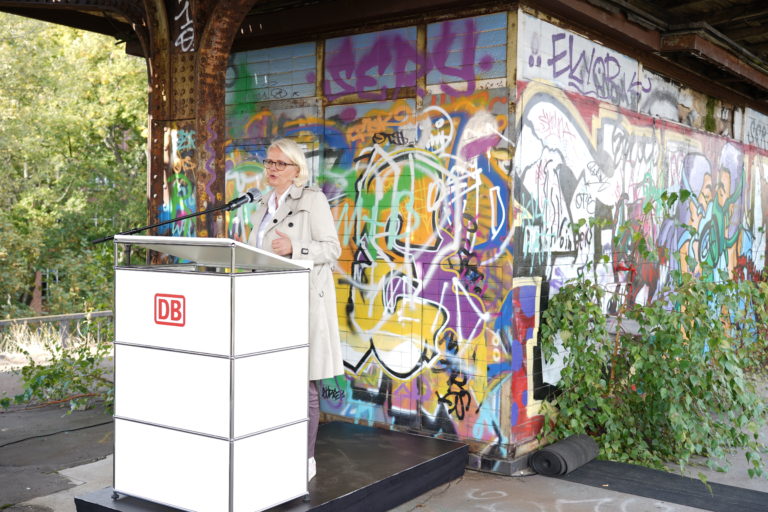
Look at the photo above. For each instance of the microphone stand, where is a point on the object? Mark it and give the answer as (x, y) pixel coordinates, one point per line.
(228, 206)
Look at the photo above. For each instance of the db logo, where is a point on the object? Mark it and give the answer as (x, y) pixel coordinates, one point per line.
(170, 309)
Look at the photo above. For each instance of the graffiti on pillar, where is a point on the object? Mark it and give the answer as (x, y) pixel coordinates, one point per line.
(180, 179)
(184, 26)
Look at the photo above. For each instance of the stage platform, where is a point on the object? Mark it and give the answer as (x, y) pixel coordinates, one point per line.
(358, 468)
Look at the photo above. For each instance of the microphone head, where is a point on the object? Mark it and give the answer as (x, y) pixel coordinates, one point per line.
(255, 195)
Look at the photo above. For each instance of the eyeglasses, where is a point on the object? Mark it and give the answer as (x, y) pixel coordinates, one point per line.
(277, 164)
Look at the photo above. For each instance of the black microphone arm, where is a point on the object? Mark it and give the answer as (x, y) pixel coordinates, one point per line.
(253, 195)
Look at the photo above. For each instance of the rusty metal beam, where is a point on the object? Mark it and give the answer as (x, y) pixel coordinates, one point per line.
(706, 50)
(159, 104)
(740, 13)
(223, 22)
(188, 54)
(121, 19)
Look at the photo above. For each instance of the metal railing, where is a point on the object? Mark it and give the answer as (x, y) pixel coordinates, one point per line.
(96, 324)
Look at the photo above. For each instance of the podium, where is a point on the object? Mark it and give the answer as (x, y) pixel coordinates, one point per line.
(211, 373)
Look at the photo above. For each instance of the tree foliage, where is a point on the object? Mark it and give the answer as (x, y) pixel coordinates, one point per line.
(72, 154)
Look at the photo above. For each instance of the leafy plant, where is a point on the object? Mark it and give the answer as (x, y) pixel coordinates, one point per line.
(674, 387)
(76, 373)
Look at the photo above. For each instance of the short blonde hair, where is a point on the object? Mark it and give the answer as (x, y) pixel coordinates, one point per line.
(296, 155)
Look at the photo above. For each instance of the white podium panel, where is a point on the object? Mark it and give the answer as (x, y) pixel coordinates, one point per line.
(184, 391)
(182, 311)
(191, 472)
(172, 388)
(270, 468)
(270, 389)
(280, 302)
(174, 468)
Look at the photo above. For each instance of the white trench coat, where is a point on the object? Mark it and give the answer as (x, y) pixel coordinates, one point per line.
(305, 217)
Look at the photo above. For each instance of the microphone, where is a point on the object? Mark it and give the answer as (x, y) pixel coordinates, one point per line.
(252, 196)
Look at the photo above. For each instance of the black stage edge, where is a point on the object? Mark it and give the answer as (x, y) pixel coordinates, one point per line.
(358, 468)
(660, 485)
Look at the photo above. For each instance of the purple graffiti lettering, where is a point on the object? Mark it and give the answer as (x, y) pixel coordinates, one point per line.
(757, 134)
(377, 59)
(635, 84)
(343, 61)
(557, 56)
(486, 62)
(386, 52)
(392, 54)
(590, 74)
(580, 62)
(439, 57)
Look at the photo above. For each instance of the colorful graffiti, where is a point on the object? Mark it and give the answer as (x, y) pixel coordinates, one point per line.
(578, 160)
(435, 333)
(455, 222)
(179, 184)
(426, 236)
(462, 51)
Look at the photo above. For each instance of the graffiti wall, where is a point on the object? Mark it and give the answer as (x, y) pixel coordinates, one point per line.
(454, 189)
(586, 155)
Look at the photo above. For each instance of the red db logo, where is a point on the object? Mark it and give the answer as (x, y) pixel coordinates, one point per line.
(170, 309)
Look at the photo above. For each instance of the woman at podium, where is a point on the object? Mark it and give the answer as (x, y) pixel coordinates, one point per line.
(295, 221)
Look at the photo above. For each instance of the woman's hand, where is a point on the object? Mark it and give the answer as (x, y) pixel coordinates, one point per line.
(282, 245)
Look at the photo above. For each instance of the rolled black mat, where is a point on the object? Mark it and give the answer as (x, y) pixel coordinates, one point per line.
(564, 456)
